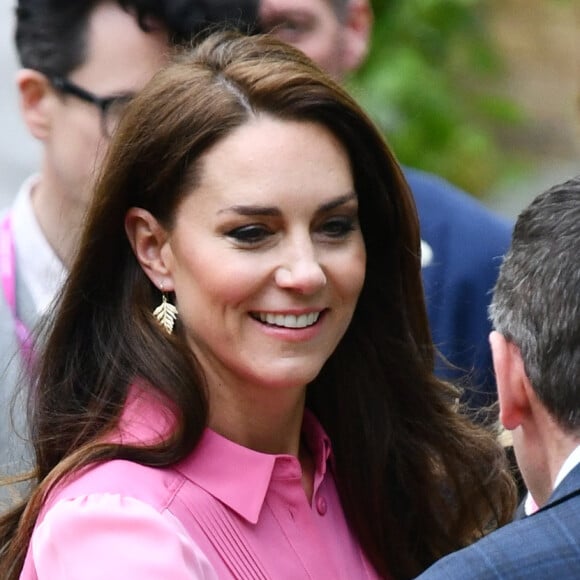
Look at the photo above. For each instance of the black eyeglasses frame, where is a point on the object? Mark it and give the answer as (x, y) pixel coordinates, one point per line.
(104, 104)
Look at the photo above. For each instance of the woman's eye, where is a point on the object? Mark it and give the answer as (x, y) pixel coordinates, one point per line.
(338, 227)
(250, 234)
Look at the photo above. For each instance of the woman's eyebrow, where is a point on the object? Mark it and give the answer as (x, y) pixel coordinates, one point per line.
(252, 210)
(334, 203)
(266, 210)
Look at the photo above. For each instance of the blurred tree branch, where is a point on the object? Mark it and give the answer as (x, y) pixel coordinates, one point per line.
(427, 84)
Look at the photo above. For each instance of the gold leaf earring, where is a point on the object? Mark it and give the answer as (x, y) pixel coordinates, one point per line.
(165, 313)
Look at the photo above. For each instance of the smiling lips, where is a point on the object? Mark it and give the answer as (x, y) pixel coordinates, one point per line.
(288, 320)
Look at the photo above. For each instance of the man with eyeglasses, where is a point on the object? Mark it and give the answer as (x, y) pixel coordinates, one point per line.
(82, 61)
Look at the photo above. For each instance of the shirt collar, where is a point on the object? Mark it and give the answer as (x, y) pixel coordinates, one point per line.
(237, 476)
(41, 270)
(530, 506)
(571, 462)
(240, 477)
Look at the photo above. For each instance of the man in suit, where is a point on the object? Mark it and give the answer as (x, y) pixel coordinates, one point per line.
(463, 241)
(536, 355)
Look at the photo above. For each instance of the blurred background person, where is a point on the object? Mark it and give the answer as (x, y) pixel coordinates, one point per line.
(82, 62)
(286, 425)
(536, 353)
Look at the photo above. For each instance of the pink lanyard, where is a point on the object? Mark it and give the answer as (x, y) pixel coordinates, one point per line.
(8, 276)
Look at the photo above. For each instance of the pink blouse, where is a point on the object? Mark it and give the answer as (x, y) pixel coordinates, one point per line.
(224, 512)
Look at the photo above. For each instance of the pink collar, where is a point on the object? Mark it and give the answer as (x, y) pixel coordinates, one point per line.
(240, 477)
(237, 476)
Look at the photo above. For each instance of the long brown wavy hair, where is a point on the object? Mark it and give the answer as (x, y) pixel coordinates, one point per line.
(417, 479)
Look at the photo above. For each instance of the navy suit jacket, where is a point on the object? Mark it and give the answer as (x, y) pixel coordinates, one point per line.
(465, 243)
(545, 545)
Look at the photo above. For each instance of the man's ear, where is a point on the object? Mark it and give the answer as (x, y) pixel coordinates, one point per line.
(36, 98)
(511, 381)
(357, 26)
(150, 243)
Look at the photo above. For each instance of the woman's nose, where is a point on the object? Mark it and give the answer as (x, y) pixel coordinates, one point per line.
(301, 273)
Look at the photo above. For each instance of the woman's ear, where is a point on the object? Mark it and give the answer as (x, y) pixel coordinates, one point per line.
(150, 243)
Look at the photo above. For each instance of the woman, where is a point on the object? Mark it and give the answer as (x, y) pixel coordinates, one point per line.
(289, 425)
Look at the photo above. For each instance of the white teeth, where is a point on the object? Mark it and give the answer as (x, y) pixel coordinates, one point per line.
(289, 320)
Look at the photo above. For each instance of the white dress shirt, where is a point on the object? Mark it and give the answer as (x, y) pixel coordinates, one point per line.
(38, 266)
(530, 506)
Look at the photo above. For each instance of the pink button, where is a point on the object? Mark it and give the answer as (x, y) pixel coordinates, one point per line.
(321, 506)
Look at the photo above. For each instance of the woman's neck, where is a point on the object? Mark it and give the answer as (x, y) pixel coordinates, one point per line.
(268, 421)
(267, 426)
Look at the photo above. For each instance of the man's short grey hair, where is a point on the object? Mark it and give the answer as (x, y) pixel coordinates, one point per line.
(536, 301)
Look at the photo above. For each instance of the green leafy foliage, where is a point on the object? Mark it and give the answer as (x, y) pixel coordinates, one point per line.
(427, 82)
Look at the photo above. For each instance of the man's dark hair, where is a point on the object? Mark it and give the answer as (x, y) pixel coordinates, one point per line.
(536, 303)
(51, 34)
